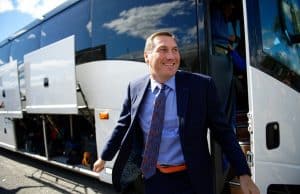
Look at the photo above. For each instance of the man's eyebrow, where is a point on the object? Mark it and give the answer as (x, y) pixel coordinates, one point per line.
(165, 46)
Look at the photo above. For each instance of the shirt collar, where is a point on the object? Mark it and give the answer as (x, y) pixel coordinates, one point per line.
(170, 83)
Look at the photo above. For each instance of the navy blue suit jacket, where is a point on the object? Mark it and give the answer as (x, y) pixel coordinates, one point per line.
(198, 109)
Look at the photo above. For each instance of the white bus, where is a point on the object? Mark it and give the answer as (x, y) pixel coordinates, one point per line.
(63, 78)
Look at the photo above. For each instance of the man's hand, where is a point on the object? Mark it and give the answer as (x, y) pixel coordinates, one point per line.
(99, 165)
(247, 185)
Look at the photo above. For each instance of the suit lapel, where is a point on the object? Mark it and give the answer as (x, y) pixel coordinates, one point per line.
(182, 94)
(138, 95)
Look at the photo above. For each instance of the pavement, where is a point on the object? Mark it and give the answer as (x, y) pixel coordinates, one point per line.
(24, 175)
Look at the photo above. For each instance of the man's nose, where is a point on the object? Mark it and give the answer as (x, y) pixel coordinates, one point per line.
(171, 55)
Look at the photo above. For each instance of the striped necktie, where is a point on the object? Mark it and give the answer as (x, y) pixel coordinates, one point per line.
(151, 151)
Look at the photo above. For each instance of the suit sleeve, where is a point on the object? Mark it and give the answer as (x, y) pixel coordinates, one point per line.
(223, 133)
(114, 143)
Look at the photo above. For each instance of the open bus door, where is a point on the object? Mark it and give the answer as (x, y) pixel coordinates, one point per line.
(10, 104)
(273, 92)
(226, 76)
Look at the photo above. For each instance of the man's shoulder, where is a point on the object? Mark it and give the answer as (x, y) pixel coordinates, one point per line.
(139, 80)
(193, 76)
(139, 83)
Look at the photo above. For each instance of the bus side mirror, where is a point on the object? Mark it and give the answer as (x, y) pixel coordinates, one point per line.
(290, 20)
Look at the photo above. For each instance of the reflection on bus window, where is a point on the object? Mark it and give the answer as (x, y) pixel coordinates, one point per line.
(275, 43)
(123, 30)
(25, 43)
(282, 58)
(74, 22)
(4, 54)
(290, 18)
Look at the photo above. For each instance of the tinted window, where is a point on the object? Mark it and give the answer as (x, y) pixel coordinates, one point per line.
(282, 58)
(4, 54)
(121, 28)
(290, 18)
(72, 21)
(277, 188)
(25, 43)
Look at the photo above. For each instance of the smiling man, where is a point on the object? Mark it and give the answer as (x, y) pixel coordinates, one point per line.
(162, 130)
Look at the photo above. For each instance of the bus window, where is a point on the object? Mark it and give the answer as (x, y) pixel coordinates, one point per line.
(25, 43)
(227, 60)
(123, 27)
(90, 54)
(72, 21)
(4, 54)
(282, 59)
(280, 188)
(290, 19)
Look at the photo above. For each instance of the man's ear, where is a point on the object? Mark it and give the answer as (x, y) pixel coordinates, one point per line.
(146, 57)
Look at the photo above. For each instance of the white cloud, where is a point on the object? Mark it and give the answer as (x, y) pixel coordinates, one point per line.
(89, 27)
(43, 33)
(31, 36)
(35, 8)
(142, 21)
(6, 5)
(190, 34)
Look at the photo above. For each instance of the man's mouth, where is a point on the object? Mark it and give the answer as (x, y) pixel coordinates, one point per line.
(169, 64)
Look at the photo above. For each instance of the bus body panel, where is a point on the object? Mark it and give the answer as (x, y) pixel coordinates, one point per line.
(104, 84)
(50, 78)
(7, 133)
(10, 103)
(280, 165)
(270, 174)
(274, 103)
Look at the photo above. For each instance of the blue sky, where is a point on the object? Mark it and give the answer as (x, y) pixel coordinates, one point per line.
(15, 14)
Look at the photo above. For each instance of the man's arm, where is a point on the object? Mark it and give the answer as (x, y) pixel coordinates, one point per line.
(223, 132)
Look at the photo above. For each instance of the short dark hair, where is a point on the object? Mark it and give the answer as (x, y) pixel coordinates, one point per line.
(149, 40)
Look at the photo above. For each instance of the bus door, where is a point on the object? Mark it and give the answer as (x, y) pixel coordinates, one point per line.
(224, 22)
(10, 103)
(273, 72)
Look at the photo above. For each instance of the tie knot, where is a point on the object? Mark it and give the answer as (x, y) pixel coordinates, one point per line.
(163, 87)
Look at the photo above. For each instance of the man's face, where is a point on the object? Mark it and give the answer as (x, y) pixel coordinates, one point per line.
(164, 58)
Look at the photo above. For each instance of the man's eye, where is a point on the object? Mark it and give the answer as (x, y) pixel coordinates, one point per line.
(164, 50)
